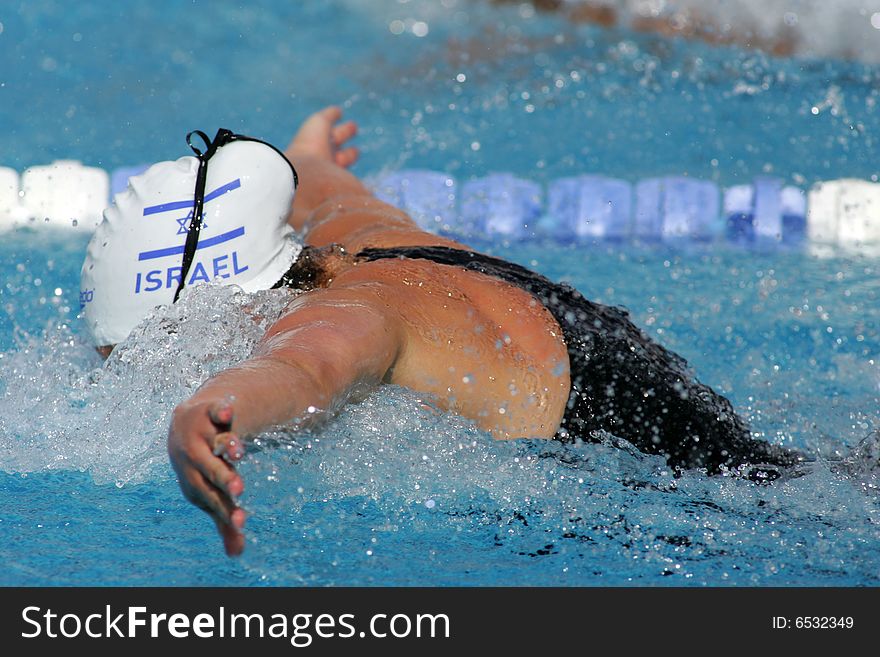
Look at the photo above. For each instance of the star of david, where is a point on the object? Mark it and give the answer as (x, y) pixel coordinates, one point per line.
(186, 222)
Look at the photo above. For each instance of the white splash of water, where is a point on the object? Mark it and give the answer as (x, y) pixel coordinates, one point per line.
(63, 409)
(397, 449)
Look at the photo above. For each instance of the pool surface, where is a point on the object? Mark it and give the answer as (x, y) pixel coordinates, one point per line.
(392, 491)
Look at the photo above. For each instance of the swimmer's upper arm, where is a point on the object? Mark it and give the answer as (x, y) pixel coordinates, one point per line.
(339, 337)
(358, 222)
(329, 343)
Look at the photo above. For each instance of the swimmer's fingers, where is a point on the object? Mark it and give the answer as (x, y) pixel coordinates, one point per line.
(227, 516)
(331, 113)
(218, 472)
(209, 498)
(343, 132)
(194, 443)
(221, 416)
(344, 157)
(347, 156)
(207, 479)
(229, 445)
(233, 539)
(225, 443)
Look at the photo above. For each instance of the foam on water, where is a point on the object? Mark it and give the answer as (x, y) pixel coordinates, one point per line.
(65, 410)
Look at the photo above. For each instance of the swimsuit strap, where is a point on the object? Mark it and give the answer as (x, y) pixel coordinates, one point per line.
(496, 267)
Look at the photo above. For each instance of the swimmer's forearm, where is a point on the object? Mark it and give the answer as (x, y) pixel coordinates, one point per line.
(266, 393)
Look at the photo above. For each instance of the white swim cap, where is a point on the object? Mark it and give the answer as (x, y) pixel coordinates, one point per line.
(135, 258)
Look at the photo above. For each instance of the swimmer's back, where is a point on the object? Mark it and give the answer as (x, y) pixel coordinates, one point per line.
(484, 348)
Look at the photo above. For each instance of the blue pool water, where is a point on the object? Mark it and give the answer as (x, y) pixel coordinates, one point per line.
(391, 491)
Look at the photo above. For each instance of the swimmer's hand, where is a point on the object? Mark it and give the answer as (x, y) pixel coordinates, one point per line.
(202, 448)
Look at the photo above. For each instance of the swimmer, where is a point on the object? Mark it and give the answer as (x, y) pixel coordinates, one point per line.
(384, 302)
(685, 19)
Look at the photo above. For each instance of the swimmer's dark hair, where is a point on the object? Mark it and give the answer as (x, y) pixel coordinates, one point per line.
(308, 271)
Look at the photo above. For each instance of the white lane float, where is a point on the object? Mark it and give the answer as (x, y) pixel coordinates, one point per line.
(64, 194)
(844, 212)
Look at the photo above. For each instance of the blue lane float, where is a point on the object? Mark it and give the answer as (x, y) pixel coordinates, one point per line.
(589, 208)
(765, 212)
(500, 205)
(793, 206)
(674, 208)
(577, 209)
(428, 196)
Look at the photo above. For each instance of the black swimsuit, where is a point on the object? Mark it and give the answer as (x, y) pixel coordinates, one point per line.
(622, 382)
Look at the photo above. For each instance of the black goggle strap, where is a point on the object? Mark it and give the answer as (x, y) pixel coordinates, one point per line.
(195, 225)
(222, 138)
